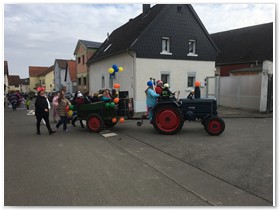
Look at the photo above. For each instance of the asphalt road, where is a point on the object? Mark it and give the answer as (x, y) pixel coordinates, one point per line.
(138, 166)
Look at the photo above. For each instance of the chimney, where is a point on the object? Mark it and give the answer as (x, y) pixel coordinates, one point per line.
(146, 9)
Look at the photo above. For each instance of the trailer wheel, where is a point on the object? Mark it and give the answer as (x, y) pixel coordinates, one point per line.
(95, 123)
(168, 119)
(214, 126)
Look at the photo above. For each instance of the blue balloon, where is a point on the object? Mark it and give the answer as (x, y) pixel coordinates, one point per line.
(150, 83)
(116, 69)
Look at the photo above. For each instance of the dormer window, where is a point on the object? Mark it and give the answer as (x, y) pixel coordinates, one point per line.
(192, 48)
(165, 46)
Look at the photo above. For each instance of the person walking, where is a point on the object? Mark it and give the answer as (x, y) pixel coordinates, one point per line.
(63, 102)
(42, 111)
(55, 107)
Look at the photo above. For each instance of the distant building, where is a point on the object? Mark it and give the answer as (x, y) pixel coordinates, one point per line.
(41, 76)
(24, 85)
(83, 52)
(35, 76)
(14, 83)
(244, 50)
(65, 72)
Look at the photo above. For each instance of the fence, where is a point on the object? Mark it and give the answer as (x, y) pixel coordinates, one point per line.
(236, 91)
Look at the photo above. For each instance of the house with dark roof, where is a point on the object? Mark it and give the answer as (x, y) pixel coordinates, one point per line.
(167, 42)
(14, 82)
(83, 52)
(244, 50)
(6, 74)
(65, 75)
(245, 67)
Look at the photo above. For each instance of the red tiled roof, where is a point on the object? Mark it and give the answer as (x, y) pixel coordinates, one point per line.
(72, 66)
(14, 80)
(35, 71)
(51, 68)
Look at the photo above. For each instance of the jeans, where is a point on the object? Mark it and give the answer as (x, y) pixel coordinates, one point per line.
(63, 120)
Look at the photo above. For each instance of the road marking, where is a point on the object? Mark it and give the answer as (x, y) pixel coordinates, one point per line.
(107, 133)
(31, 112)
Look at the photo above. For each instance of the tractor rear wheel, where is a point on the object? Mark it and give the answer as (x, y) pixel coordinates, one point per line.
(214, 125)
(168, 119)
(95, 123)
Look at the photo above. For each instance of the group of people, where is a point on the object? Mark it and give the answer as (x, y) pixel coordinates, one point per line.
(152, 95)
(59, 104)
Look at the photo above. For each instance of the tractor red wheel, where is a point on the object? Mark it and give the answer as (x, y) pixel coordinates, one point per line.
(95, 123)
(168, 119)
(214, 126)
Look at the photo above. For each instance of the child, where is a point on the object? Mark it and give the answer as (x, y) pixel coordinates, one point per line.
(27, 103)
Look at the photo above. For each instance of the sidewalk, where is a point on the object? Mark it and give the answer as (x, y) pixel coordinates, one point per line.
(227, 112)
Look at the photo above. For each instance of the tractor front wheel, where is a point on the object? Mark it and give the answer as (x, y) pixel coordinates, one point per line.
(214, 126)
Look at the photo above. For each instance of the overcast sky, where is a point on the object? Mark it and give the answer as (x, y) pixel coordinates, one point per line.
(37, 34)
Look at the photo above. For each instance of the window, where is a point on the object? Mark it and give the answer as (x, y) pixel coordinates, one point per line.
(165, 78)
(192, 48)
(84, 81)
(83, 59)
(103, 82)
(165, 42)
(79, 59)
(191, 80)
(42, 82)
(79, 81)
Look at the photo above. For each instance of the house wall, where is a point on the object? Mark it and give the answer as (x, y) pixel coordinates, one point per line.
(49, 81)
(100, 68)
(6, 82)
(32, 83)
(266, 71)
(82, 69)
(68, 82)
(57, 77)
(178, 71)
(24, 88)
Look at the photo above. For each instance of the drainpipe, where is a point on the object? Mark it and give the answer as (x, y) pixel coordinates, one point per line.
(133, 74)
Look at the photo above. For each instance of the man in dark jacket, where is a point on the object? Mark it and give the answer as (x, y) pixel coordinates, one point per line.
(42, 111)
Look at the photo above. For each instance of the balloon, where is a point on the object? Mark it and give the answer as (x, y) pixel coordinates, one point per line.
(197, 84)
(116, 85)
(111, 70)
(112, 105)
(67, 108)
(116, 100)
(120, 69)
(114, 120)
(71, 107)
(70, 113)
(121, 120)
(107, 105)
(116, 69)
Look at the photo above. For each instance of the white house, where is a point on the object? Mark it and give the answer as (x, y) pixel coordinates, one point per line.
(167, 42)
(63, 69)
